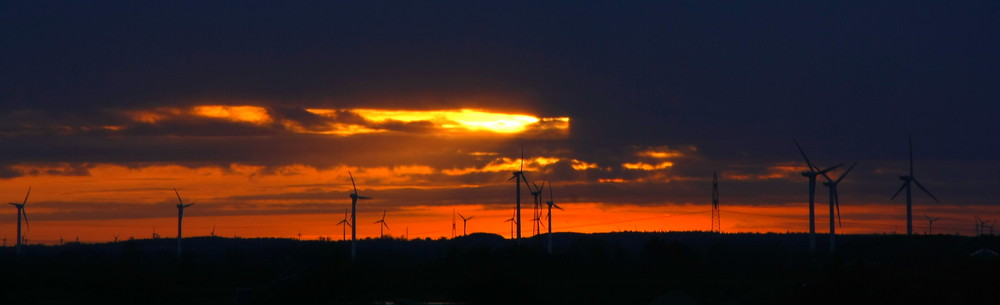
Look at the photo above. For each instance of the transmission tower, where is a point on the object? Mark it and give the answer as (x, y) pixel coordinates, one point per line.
(716, 222)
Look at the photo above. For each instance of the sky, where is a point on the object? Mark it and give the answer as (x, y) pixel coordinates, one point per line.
(256, 111)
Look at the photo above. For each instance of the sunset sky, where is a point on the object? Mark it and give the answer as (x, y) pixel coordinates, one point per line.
(256, 111)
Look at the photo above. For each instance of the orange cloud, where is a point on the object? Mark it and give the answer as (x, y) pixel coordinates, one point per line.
(646, 166)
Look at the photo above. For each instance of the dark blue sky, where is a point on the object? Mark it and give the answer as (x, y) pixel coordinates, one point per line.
(737, 80)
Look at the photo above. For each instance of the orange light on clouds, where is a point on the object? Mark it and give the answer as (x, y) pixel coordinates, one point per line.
(646, 166)
(248, 114)
(461, 119)
(582, 165)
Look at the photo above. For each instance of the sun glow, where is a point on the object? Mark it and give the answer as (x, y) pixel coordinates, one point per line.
(462, 119)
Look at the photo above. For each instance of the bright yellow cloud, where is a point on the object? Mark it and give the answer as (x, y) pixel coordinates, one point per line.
(582, 165)
(646, 166)
(462, 119)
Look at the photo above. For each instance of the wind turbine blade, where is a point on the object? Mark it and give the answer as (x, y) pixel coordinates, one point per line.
(829, 169)
(470, 218)
(26, 196)
(836, 203)
(178, 197)
(900, 189)
(846, 172)
(188, 205)
(385, 224)
(352, 182)
(556, 206)
(460, 215)
(550, 192)
(383, 214)
(909, 138)
(25, 215)
(925, 190)
(363, 197)
(512, 177)
(808, 163)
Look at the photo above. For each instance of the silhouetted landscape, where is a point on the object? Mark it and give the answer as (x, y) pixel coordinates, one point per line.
(601, 268)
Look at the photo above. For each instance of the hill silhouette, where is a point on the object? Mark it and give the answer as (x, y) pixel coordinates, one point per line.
(603, 268)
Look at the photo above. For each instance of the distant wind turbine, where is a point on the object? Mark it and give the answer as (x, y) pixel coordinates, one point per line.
(552, 204)
(835, 202)
(21, 213)
(180, 219)
(930, 224)
(465, 220)
(511, 220)
(536, 194)
(345, 223)
(384, 225)
(354, 216)
(907, 180)
(453, 221)
(518, 177)
(811, 174)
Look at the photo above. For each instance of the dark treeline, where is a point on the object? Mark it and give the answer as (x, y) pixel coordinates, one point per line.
(607, 268)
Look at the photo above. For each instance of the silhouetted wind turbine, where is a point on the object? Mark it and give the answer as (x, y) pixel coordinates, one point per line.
(384, 225)
(811, 174)
(552, 204)
(453, 221)
(536, 193)
(511, 220)
(930, 224)
(465, 220)
(180, 219)
(518, 176)
(354, 216)
(835, 202)
(345, 223)
(21, 213)
(907, 179)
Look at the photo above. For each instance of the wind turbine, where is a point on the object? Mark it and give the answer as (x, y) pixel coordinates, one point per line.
(20, 214)
(354, 216)
(551, 203)
(511, 220)
(811, 174)
(536, 193)
(180, 218)
(384, 225)
(453, 223)
(518, 175)
(465, 220)
(345, 223)
(835, 202)
(907, 180)
(930, 224)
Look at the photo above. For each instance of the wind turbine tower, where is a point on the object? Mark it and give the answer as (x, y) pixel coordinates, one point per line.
(180, 218)
(354, 216)
(518, 177)
(552, 204)
(907, 181)
(930, 224)
(20, 214)
(465, 221)
(811, 174)
(381, 233)
(835, 202)
(716, 217)
(345, 223)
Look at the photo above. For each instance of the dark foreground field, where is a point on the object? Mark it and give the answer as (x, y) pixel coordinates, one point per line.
(611, 268)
